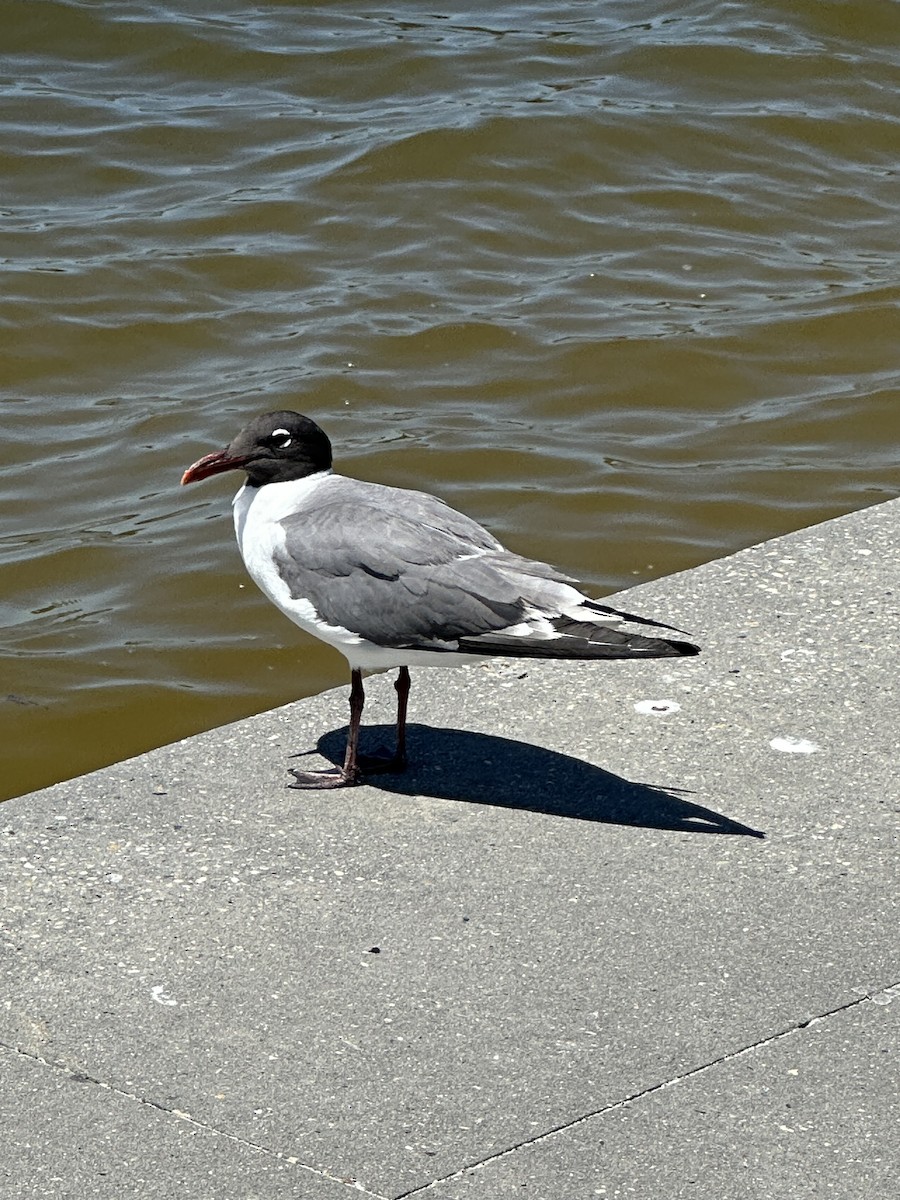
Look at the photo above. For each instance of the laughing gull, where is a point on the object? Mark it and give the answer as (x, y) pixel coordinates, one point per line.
(396, 578)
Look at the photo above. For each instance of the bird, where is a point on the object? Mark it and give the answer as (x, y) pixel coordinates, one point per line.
(394, 578)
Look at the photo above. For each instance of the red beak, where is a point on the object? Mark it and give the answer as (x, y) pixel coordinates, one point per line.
(212, 464)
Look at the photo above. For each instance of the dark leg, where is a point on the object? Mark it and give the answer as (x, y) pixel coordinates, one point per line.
(401, 686)
(350, 773)
(356, 766)
(380, 764)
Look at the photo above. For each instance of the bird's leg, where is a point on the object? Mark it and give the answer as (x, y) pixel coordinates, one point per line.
(372, 764)
(357, 765)
(350, 769)
(351, 772)
(401, 687)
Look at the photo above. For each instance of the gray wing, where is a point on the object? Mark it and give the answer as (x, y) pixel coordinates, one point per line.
(402, 568)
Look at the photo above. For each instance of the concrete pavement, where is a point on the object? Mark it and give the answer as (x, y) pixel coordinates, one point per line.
(620, 931)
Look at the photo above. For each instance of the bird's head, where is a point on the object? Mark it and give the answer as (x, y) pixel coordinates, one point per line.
(273, 448)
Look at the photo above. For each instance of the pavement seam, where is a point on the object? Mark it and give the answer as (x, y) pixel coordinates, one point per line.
(888, 993)
(258, 1147)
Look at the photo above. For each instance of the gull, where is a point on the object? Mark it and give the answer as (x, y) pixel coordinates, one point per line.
(394, 578)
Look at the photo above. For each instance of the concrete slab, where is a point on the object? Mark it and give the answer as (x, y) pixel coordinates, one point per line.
(806, 1114)
(593, 881)
(67, 1136)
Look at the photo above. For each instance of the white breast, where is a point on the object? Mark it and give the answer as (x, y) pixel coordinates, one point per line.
(260, 537)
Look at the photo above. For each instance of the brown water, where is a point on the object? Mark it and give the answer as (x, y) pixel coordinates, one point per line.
(619, 280)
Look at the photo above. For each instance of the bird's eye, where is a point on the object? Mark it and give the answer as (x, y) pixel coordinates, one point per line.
(281, 439)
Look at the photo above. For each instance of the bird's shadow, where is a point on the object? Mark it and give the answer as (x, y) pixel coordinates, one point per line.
(454, 764)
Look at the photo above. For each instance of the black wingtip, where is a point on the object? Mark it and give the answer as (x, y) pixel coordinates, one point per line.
(615, 645)
(596, 606)
(683, 649)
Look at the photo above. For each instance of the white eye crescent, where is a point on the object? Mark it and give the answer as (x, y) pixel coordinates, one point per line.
(284, 435)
